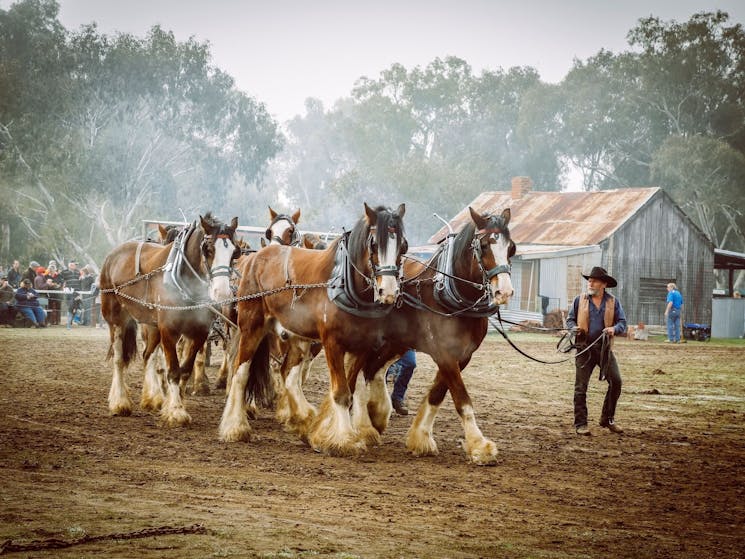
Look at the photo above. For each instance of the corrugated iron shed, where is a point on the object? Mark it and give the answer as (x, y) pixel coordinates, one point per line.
(559, 218)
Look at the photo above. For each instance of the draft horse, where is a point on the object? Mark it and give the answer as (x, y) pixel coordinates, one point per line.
(447, 302)
(171, 288)
(297, 286)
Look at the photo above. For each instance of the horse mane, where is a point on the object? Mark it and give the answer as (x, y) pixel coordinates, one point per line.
(462, 240)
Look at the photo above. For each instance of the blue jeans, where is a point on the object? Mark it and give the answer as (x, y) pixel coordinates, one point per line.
(37, 315)
(402, 370)
(673, 325)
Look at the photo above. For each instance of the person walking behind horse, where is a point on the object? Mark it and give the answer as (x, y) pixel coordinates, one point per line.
(593, 315)
(27, 302)
(401, 371)
(673, 311)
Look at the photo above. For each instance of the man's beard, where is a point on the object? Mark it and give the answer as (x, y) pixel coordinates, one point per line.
(593, 290)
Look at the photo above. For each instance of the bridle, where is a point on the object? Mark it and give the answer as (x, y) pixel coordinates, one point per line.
(208, 243)
(492, 232)
(389, 270)
(295, 237)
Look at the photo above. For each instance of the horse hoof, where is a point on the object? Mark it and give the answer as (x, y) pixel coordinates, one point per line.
(483, 455)
(201, 390)
(121, 412)
(236, 435)
(176, 419)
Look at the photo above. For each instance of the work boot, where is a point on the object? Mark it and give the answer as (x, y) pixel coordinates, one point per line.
(583, 430)
(610, 425)
(400, 407)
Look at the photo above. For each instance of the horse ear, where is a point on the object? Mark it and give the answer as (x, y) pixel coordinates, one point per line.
(296, 216)
(477, 219)
(307, 243)
(272, 213)
(401, 210)
(234, 223)
(506, 214)
(204, 224)
(263, 242)
(372, 217)
(163, 233)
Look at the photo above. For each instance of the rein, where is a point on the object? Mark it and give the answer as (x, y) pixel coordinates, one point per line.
(602, 339)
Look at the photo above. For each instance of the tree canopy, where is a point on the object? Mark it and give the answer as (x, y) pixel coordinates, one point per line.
(98, 132)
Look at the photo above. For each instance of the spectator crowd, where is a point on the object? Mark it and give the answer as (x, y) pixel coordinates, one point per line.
(35, 296)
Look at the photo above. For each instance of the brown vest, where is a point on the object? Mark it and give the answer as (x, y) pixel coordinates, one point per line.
(583, 312)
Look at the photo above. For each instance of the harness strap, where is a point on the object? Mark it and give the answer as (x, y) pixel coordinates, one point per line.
(138, 252)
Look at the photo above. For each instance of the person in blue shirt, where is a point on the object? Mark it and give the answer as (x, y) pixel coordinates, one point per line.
(672, 313)
(401, 372)
(593, 315)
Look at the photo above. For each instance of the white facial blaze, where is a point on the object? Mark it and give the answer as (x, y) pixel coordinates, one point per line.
(504, 280)
(220, 285)
(278, 231)
(388, 284)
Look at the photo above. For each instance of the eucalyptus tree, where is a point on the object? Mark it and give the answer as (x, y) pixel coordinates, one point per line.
(133, 127)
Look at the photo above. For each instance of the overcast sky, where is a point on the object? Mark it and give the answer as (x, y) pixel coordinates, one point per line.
(283, 51)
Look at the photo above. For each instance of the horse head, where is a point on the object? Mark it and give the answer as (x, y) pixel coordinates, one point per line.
(219, 248)
(282, 230)
(385, 246)
(495, 248)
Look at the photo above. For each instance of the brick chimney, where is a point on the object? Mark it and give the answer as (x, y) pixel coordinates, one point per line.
(520, 186)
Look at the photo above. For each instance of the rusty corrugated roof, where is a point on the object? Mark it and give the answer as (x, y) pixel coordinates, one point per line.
(559, 218)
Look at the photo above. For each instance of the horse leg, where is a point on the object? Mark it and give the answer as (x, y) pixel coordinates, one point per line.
(379, 405)
(122, 338)
(173, 413)
(230, 351)
(293, 409)
(478, 448)
(332, 431)
(419, 439)
(201, 386)
(361, 420)
(234, 424)
(152, 384)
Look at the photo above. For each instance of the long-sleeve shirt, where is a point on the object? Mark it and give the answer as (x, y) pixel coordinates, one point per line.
(597, 317)
(22, 297)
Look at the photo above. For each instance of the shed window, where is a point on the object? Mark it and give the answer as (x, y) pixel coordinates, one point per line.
(653, 290)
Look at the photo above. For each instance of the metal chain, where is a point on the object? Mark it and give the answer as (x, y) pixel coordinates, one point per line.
(53, 543)
(205, 304)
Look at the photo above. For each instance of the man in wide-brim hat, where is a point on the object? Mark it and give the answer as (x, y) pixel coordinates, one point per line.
(596, 317)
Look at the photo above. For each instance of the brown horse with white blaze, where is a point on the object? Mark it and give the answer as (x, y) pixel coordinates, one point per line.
(172, 288)
(447, 302)
(295, 287)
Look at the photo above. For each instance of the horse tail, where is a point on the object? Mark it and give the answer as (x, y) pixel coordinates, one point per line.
(260, 387)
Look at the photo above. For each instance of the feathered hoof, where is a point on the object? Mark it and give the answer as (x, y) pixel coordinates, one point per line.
(151, 404)
(236, 434)
(349, 450)
(175, 418)
(483, 454)
(201, 390)
(370, 436)
(121, 411)
(337, 447)
(421, 444)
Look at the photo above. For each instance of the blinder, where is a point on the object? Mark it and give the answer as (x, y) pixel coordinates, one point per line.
(294, 240)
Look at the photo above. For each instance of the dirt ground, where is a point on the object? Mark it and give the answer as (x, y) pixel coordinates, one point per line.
(671, 486)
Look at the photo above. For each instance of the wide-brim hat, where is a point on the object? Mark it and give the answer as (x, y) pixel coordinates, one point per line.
(600, 273)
